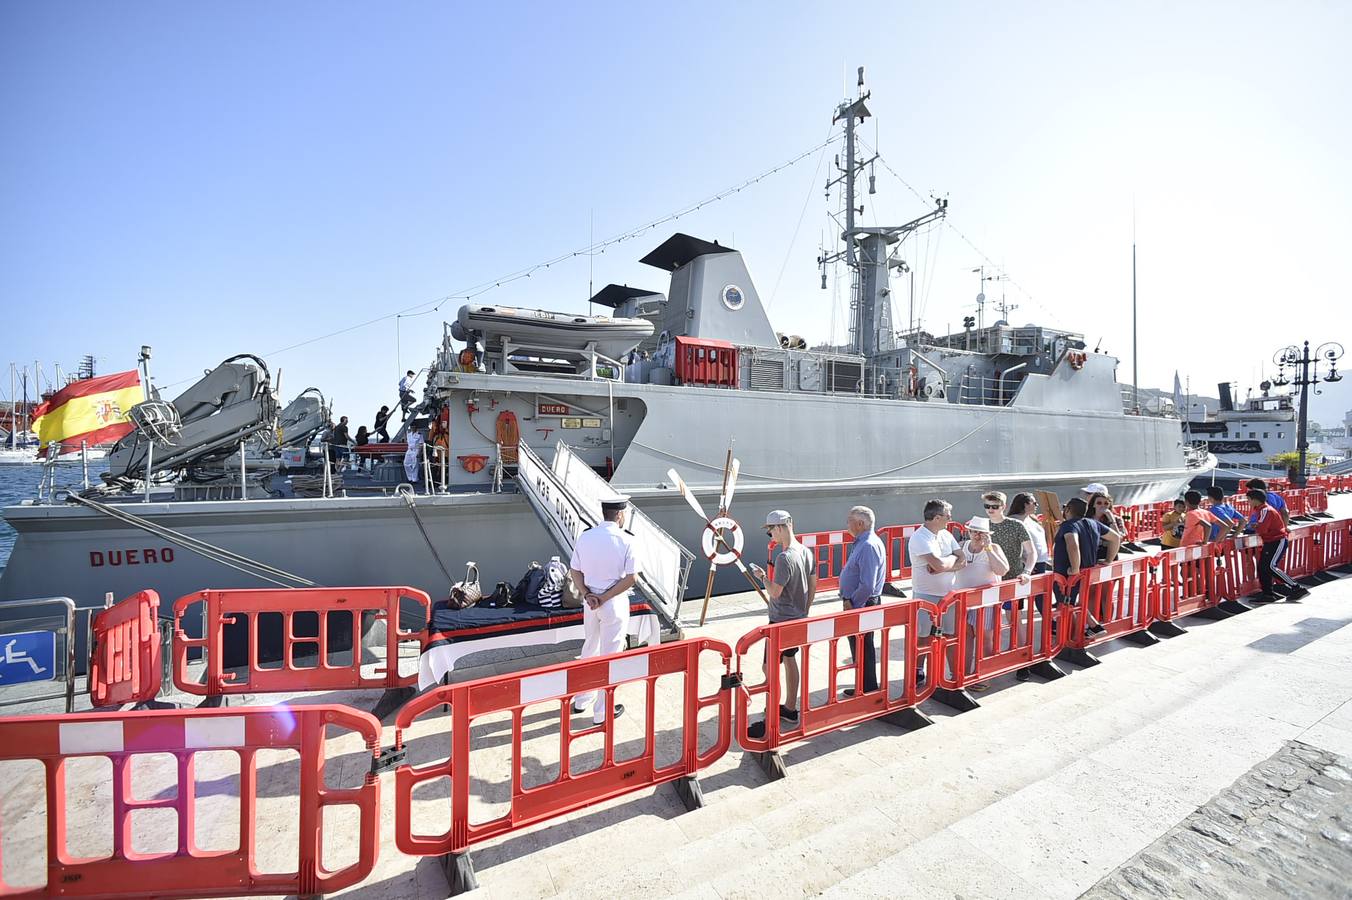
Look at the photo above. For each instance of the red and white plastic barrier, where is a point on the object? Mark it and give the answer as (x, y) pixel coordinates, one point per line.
(555, 686)
(893, 623)
(188, 871)
(1003, 628)
(125, 654)
(345, 609)
(1185, 582)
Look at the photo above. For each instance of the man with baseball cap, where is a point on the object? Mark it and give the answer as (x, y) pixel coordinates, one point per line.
(604, 567)
(791, 592)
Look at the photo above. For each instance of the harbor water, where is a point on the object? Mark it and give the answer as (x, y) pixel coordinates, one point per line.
(20, 483)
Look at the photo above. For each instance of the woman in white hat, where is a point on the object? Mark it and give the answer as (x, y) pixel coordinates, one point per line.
(986, 565)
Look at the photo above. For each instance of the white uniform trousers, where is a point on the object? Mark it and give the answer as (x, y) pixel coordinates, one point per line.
(603, 632)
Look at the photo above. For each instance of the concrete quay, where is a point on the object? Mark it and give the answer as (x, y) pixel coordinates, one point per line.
(1216, 763)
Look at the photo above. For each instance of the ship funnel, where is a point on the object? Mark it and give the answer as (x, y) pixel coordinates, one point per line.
(1227, 402)
(712, 296)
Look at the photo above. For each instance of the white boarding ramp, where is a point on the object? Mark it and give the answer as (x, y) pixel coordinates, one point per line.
(567, 499)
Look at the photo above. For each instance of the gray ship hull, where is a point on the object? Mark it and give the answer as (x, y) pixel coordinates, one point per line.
(75, 552)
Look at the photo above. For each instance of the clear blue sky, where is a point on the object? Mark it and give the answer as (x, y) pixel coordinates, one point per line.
(218, 178)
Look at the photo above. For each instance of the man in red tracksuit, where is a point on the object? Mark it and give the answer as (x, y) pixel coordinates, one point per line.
(1271, 529)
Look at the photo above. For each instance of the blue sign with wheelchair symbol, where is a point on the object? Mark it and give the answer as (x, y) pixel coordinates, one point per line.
(27, 656)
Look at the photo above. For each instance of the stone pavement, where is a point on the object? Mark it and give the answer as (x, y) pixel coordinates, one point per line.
(1044, 792)
(1283, 830)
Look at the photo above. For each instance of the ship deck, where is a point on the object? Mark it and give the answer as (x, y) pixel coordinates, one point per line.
(1099, 782)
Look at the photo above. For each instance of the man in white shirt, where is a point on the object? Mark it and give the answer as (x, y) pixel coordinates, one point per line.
(934, 561)
(604, 567)
(406, 397)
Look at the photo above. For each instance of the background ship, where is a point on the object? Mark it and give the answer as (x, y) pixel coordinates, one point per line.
(888, 420)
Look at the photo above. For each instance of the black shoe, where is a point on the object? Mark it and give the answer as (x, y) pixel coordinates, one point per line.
(848, 692)
(788, 715)
(1021, 675)
(756, 731)
(1093, 629)
(1264, 597)
(578, 710)
(1297, 594)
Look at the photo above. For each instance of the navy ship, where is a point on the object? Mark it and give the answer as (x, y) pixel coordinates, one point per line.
(212, 489)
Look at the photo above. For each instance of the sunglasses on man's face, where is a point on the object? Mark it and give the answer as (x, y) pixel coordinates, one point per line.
(993, 505)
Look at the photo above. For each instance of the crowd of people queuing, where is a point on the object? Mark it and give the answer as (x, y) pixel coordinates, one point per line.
(1006, 540)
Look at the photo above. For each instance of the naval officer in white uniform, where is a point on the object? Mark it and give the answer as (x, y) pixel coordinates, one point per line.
(604, 568)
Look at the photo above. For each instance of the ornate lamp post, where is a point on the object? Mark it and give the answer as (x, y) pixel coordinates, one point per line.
(1305, 374)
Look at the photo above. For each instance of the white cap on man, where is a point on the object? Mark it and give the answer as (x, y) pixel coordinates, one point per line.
(777, 517)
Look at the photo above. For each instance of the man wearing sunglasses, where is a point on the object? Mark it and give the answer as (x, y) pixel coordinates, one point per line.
(791, 592)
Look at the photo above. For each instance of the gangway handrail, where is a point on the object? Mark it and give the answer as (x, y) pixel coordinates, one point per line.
(564, 515)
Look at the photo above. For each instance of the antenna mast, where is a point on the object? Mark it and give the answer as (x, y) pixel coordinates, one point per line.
(866, 250)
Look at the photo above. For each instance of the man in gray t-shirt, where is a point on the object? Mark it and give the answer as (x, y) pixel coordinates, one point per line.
(791, 592)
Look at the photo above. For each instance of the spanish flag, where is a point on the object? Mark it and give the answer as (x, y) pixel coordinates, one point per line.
(93, 411)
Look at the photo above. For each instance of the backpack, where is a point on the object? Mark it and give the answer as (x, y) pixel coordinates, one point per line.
(529, 585)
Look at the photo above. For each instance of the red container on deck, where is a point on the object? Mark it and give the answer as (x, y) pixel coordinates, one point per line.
(706, 362)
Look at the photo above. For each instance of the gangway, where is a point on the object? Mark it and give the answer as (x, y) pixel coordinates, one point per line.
(566, 497)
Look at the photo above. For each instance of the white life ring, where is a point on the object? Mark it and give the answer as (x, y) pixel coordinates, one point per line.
(717, 552)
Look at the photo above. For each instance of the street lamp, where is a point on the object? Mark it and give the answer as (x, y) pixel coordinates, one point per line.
(1305, 373)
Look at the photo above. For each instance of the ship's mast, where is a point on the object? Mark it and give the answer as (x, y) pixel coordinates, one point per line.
(866, 250)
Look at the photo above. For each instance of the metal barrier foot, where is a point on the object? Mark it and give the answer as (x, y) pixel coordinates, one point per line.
(771, 763)
(391, 700)
(1141, 638)
(959, 700)
(909, 718)
(691, 794)
(459, 871)
(891, 590)
(1048, 670)
(1233, 606)
(1167, 629)
(1077, 657)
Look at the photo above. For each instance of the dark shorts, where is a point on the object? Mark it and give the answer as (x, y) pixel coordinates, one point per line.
(792, 651)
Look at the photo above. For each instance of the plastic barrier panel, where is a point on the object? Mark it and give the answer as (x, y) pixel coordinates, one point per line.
(1115, 596)
(569, 790)
(829, 549)
(317, 666)
(1337, 543)
(125, 664)
(1185, 583)
(1003, 628)
(1303, 551)
(821, 705)
(187, 870)
(1237, 567)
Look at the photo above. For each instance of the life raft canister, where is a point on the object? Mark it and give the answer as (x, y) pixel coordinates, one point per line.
(1076, 359)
